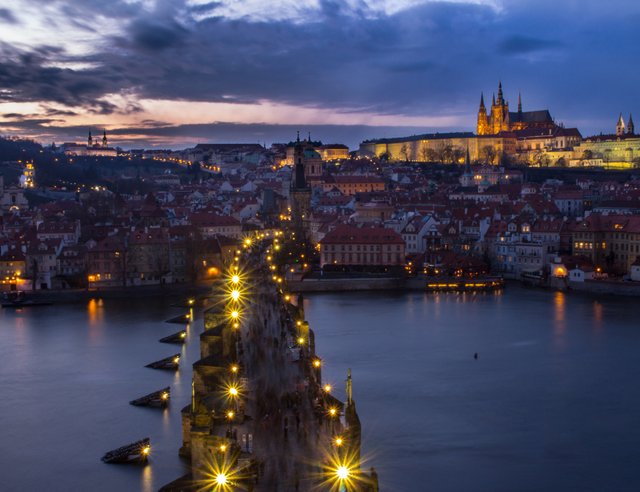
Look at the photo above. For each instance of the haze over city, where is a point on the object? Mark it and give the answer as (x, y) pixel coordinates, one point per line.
(172, 73)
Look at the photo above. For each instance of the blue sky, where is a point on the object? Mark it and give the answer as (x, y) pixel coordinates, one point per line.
(175, 72)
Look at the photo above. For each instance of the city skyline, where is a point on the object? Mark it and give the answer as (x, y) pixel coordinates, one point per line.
(170, 74)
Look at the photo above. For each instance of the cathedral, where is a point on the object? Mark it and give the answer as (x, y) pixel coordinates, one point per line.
(500, 119)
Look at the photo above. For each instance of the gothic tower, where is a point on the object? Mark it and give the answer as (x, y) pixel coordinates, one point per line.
(499, 113)
(630, 129)
(300, 192)
(620, 126)
(90, 140)
(104, 139)
(482, 127)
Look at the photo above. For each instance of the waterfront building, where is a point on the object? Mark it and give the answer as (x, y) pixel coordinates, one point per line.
(12, 269)
(612, 242)
(362, 246)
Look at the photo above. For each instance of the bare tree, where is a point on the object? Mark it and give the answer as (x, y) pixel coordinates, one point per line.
(404, 152)
(489, 153)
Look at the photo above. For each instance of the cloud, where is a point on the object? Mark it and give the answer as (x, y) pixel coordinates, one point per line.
(7, 16)
(155, 36)
(514, 45)
(411, 58)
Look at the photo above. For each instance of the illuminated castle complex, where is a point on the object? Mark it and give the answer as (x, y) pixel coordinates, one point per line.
(500, 119)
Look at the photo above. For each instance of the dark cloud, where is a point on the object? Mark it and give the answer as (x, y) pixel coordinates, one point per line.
(514, 45)
(7, 16)
(156, 36)
(430, 59)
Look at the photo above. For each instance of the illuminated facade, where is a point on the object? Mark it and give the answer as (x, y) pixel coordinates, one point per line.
(93, 148)
(500, 119)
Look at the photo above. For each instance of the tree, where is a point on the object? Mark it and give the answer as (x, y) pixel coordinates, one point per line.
(457, 155)
(489, 154)
(425, 151)
(404, 152)
(562, 162)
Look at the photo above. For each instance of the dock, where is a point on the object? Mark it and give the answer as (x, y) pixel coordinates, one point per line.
(177, 338)
(137, 452)
(171, 363)
(158, 399)
(183, 319)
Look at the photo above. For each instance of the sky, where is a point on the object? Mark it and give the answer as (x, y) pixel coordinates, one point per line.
(172, 73)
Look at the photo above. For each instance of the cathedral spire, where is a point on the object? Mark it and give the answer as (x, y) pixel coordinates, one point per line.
(493, 99)
(90, 140)
(500, 97)
(104, 139)
(298, 136)
(309, 137)
(620, 128)
(482, 102)
(519, 103)
(630, 128)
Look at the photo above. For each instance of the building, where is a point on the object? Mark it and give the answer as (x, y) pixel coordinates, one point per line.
(500, 119)
(300, 191)
(28, 178)
(362, 246)
(94, 148)
(352, 184)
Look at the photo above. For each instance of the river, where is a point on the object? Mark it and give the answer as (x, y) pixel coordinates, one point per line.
(551, 402)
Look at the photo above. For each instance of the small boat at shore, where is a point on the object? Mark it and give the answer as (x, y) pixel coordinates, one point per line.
(464, 285)
(19, 299)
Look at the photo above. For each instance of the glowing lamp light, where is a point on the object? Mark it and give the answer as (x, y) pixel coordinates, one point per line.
(327, 388)
(300, 341)
(183, 335)
(342, 472)
(230, 414)
(146, 450)
(235, 279)
(233, 391)
(317, 363)
(176, 359)
(234, 368)
(165, 395)
(235, 295)
(338, 441)
(235, 314)
(221, 479)
(223, 447)
(333, 411)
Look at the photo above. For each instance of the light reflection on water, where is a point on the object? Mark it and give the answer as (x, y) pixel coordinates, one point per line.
(550, 404)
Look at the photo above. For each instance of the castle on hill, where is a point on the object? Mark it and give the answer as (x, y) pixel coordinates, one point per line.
(500, 119)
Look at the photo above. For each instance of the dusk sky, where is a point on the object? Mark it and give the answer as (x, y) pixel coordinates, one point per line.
(176, 72)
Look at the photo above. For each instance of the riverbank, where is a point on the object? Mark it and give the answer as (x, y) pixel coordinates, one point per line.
(420, 283)
(71, 296)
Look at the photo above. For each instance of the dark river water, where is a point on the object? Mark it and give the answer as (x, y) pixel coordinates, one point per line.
(551, 403)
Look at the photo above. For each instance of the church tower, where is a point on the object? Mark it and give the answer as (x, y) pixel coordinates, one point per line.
(300, 192)
(90, 140)
(104, 139)
(482, 127)
(620, 128)
(499, 113)
(630, 129)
